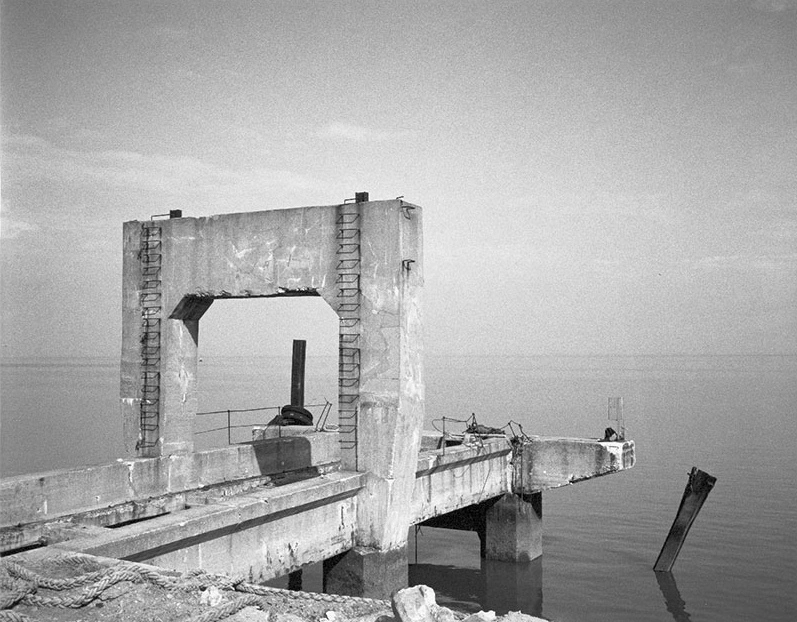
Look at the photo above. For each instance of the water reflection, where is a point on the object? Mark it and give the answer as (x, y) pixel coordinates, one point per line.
(672, 597)
(500, 586)
(512, 586)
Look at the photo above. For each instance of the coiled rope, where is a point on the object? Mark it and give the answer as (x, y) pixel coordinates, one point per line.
(19, 585)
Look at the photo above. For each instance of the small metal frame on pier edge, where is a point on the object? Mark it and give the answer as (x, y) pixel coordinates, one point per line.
(616, 414)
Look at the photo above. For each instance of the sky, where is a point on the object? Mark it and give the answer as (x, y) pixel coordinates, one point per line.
(596, 177)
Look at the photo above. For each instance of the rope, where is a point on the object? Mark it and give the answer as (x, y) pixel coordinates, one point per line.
(263, 590)
(220, 612)
(10, 597)
(15, 570)
(88, 595)
(23, 590)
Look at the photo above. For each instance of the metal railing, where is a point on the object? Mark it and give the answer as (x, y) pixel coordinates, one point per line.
(325, 407)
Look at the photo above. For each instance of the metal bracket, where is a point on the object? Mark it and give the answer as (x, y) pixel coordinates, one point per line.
(173, 213)
(406, 264)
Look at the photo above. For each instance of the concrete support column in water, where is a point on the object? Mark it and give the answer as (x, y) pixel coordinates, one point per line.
(513, 528)
(366, 572)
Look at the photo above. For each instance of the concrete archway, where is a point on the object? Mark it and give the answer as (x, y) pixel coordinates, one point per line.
(363, 258)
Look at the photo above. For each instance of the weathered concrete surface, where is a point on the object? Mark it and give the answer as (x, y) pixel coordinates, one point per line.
(288, 253)
(446, 481)
(465, 475)
(243, 255)
(263, 432)
(551, 462)
(264, 534)
(460, 476)
(131, 489)
(496, 489)
(391, 403)
(513, 530)
(267, 254)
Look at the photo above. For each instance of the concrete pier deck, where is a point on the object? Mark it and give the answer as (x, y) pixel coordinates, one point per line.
(270, 507)
(293, 497)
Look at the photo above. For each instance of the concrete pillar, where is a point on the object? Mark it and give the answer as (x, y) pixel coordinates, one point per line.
(513, 528)
(179, 399)
(131, 336)
(366, 572)
(391, 398)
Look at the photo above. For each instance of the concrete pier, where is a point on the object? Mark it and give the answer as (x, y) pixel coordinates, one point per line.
(294, 496)
(501, 499)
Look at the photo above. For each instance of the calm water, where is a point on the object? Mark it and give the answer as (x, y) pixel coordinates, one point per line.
(734, 417)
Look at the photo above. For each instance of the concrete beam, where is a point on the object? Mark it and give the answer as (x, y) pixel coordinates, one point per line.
(460, 476)
(196, 260)
(551, 462)
(45, 497)
(262, 534)
(263, 432)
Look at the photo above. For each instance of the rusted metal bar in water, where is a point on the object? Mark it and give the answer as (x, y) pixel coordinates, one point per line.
(697, 489)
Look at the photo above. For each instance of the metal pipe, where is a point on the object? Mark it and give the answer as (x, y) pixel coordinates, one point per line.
(297, 372)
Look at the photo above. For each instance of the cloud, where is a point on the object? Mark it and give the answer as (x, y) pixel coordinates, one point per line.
(73, 177)
(774, 6)
(773, 262)
(359, 133)
(10, 229)
(170, 33)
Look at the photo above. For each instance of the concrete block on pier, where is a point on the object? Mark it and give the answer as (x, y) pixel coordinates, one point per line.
(550, 462)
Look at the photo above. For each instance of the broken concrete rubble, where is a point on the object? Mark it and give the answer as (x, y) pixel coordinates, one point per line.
(419, 604)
